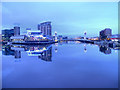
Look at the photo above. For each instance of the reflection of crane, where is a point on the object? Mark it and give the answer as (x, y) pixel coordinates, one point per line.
(56, 44)
(56, 50)
(85, 50)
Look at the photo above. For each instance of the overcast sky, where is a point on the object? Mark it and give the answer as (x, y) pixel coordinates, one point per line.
(70, 18)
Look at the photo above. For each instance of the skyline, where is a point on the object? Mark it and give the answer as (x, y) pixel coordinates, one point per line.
(72, 17)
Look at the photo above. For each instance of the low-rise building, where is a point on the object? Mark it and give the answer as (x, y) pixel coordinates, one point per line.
(115, 37)
(19, 38)
(93, 38)
(6, 34)
(60, 37)
(37, 35)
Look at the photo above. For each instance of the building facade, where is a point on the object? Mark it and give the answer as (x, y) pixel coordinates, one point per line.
(45, 28)
(16, 31)
(105, 34)
(6, 34)
(115, 37)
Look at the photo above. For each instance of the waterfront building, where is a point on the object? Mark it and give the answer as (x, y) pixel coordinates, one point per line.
(65, 37)
(16, 31)
(6, 34)
(28, 28)
(34, 35)
(31, 36)
(60, 37)
(105, 34)
(115, 37)
(93, 38)
(18, 38)
(0, 38)
(45, 28)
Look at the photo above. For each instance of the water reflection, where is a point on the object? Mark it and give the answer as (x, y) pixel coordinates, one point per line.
(17, 54)
(6, 50)
(105, 49)
(43, 52)
(87, 65)
(46, 55)
(85, 49)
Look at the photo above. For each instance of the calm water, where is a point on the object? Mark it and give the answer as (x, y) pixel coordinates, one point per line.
(63, 65)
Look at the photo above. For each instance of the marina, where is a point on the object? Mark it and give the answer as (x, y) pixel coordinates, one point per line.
(59, 45)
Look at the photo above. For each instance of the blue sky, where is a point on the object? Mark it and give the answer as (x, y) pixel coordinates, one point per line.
(68, 18)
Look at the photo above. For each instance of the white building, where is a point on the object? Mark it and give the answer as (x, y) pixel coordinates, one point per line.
(19, 38)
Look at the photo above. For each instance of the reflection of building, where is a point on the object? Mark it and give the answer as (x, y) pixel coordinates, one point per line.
(105, 34)
(6, 50)
(17, 54)
(105, 49)
(45, 28)
(6, 34)
(46, 55)
(44, 52)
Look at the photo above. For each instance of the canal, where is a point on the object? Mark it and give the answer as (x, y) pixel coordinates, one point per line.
(62, 65)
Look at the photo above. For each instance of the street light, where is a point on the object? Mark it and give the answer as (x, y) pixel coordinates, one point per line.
(85, 34)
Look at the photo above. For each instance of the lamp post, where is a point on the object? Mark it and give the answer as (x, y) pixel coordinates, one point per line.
(85, 34)
(56, 37)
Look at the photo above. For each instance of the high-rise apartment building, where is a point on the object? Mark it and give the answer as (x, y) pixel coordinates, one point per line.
(45, 28)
